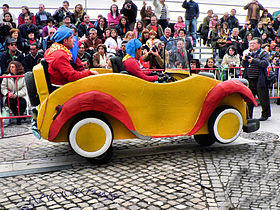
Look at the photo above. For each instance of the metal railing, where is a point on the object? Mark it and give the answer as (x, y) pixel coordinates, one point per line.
(7, 104)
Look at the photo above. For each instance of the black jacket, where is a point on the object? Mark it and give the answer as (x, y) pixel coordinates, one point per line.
(261, 61)
(130, 14)
(24, 30)
(6, 59)
(30, 61)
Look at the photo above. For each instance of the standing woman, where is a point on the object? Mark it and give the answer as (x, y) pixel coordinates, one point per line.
(113, 43)
(123, 27)
(79, 14)
(113, 16)
(25, 12)
(13, 88)
(138, 29)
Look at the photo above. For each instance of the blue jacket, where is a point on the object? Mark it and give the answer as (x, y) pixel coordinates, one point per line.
(192, 9)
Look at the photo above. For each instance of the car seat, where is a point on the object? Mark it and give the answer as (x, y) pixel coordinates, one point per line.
(117, 65)
(45, 65)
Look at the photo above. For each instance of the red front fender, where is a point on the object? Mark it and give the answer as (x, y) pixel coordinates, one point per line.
(92, 100)
(216, 95)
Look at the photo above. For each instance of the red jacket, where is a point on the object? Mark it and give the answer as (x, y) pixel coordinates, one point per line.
(21, 19)
(133, 67)
(60, 69)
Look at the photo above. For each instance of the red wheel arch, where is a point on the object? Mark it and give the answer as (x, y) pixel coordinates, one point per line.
(216, 95)
(92, 100)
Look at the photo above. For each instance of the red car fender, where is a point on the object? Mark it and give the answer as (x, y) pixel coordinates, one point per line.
(216, 95)
(92, 100)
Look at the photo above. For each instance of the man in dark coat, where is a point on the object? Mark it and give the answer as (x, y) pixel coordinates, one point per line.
(129, 10)
(33, 58)
(256, 64)
(12, 54)
(28, 27)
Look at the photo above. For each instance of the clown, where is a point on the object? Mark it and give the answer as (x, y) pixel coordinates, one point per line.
(62, 68)
(131, 64)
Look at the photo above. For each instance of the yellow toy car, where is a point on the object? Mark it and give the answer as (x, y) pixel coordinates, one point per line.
(92, 112)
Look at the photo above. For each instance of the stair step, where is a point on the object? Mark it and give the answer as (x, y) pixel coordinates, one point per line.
(203, 48)
(202, 53)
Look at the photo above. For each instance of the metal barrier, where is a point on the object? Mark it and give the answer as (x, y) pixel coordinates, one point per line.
(8, 105)
(225, 73)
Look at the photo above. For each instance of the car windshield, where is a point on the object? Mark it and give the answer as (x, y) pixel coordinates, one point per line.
(177, 55)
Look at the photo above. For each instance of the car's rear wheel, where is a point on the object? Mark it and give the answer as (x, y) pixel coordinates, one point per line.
(204, 139)
(225, 124)
(92, 137)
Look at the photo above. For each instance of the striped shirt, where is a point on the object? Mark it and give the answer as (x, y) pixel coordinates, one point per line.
(253, 69)
(163, 15)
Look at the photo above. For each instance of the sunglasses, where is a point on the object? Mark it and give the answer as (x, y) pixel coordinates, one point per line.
(13, 44)
(51, 32)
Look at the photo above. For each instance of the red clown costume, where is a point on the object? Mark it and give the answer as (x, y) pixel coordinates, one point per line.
(62, 68)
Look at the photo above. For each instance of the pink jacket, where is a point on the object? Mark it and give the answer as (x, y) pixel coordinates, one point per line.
(113, 21)
(178, 26)
(212, 24)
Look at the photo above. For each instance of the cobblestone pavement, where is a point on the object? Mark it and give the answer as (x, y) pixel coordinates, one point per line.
(241, 176)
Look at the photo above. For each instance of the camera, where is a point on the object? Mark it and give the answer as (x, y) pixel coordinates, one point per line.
(154, 48)
(128, 6)
(247, 57)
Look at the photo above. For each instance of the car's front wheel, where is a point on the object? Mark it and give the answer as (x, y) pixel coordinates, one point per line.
(225, 124)
(92, 137)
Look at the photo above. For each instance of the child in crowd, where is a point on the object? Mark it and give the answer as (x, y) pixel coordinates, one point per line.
(212, 25)
(179, 25)
(152, 38)
(138, 29)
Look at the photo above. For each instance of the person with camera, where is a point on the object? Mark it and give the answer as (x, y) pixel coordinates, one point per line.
(256, 63)
(129, 10)
(6, 8)
(63, 11)
(156, 56)
(7, 25)
(253, 14)
(132, 66)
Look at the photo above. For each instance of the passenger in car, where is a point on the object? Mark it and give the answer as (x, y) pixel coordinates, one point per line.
(131, 64)
(62, 68)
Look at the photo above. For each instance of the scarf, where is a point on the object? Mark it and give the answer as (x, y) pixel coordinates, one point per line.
(126, 57)
(57, 46)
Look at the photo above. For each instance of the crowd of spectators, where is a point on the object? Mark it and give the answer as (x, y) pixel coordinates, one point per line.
(225, 33)
(120, 25)
(26, 40)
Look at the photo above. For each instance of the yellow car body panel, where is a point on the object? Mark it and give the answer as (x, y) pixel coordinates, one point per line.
(167, 109)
